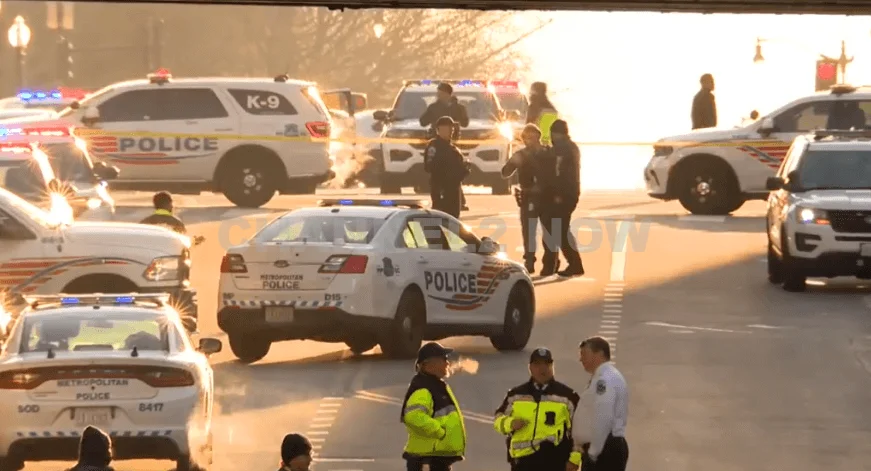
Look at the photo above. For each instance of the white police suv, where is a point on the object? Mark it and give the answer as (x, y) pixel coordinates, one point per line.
(714, 171)
(819, 211)
(247, 138)
(368, 273)
(485, 143)
(122, 363)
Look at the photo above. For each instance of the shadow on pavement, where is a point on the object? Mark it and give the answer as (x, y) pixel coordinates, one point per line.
(736, 224)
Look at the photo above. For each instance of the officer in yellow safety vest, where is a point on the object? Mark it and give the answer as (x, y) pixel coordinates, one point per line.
(537, 418)
(541, 111)
(431, 414)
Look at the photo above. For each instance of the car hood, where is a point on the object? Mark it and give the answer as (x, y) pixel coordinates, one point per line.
(708, 135)
(859, 200)
(414, 125)
(116, 234)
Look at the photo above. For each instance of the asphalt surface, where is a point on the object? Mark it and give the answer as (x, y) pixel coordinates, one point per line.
(726, 372)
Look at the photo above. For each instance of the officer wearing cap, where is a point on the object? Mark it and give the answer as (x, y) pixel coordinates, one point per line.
(447, 169)
(296, 453)
(431, 414)
(537, 418)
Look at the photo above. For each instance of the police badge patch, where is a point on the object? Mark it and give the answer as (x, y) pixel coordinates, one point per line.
(431, 152)
(600, 387)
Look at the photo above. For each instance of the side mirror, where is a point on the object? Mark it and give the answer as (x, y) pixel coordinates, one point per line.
(90, 116)
(381, 115)
(360, 102)
(514, 115)
(106, 172)
(488, 246)
(209, 346)
(754, 115)
(774, 183)
(766, 126)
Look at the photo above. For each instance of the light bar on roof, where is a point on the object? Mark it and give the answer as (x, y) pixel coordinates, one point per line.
(39, 95)
(456, 83)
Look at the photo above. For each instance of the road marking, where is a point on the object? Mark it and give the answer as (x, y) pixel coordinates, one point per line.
(380, 398)
(704, 329)
(324, 417)
(768, 327)
(695, 218)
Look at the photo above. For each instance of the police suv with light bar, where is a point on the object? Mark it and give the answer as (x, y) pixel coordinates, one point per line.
(403, 158)
(56, 100)
(367, 273)
(122, 363)
(247, 138)
(819, 210)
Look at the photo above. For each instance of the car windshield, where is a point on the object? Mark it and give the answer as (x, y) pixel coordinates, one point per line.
(513, 101)
(87, 332)
(835, 169)
(479, 104)
(70, 163)
(329, 228)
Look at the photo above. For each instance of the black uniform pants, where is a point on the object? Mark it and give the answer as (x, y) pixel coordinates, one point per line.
(557, 236)
(447, 199)
(529, 226)
(417, 464)
(547, 458)
(614, 456)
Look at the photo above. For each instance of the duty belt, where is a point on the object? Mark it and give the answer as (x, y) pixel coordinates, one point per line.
(533, 443)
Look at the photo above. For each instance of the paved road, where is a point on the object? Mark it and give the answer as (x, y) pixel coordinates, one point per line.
(727, 372)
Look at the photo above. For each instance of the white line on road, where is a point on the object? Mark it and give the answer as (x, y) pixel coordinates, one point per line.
(324, 417)
(704, 329)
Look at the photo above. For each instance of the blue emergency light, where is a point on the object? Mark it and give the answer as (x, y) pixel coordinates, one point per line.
(28, 95)
(125, 300)
(389, 203)
(69, 301)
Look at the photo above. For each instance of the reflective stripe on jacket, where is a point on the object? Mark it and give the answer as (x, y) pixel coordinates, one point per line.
(532, 405)
(433, 419)
(545, 121)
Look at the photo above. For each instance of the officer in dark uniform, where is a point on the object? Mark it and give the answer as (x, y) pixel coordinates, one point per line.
(446, 184)
(446, 104)
(296, 453)
(537, 419)
(565, 193)
(162, 215)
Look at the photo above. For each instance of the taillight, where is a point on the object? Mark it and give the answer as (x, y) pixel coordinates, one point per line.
(233, 263)
(20, 380)
(349, 264)
(167, 378)
(319, 129)
(156, 377)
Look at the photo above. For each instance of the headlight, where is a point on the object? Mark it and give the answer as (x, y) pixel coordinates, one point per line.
(94, 203)
(164, 269)
(811, 216)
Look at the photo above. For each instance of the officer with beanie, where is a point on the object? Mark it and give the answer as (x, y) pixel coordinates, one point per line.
(431, 414)
(447, 169)
(566, 192)
(95, 451)
(296, 453)
(541, 111)
(537, 417)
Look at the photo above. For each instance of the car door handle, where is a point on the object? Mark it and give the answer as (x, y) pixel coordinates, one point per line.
(191, 122)
(423, 261)
(466, 263)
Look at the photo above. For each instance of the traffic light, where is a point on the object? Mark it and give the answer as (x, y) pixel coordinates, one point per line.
(827, 74)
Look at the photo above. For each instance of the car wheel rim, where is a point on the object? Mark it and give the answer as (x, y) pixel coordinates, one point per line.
(406, 327)
(516, 316)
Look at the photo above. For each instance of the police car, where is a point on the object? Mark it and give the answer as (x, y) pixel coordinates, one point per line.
(56, 99)
(819, 211)
(247, 138)
(37, 162)
(367, 273)
(714, 171)
(486, 142)
(41, 254)
(122, 363)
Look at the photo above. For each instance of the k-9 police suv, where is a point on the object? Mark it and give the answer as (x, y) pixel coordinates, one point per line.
(714, 171)
(819, 211)
(122, 363)
(41, 254)
(486, 142)
(245, 138)
(370, 273)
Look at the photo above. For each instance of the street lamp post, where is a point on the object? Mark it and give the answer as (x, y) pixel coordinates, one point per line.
(19, 38)
(842, 61)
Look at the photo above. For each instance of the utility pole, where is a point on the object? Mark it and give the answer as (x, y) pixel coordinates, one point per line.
(843, 61)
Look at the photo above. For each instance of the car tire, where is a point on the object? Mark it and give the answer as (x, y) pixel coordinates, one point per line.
(248, 348)
(360, 346)
(405, 335)
(519, 319)
(185, 463)
(249, 183)
(775, 266)
(7, 465)
(794, 281)
(718, 197)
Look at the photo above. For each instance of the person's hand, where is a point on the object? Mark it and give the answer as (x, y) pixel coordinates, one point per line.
(571, 467)
(518, 424)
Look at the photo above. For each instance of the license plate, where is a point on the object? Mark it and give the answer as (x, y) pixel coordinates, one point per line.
(865, 250)
(279, 315)
(98, 417)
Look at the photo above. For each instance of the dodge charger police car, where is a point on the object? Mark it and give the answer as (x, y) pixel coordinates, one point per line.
(714, 171)
(485, 143)
(40, 254)
(247, 138)
(819, 211)
(369, 273)
(118, 362)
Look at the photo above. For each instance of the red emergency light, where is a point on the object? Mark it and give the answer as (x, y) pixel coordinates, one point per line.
(160, 76)
(506, 83)
(827, 70)
(73, 93)
(45, 132)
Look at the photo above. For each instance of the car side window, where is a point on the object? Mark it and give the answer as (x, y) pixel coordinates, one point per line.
(24, 179)
(408, 239)
(162, 105)
(427, 233)
(263, 103)
(790, 162)
(12, 229)
(452, 232)
(804, 117)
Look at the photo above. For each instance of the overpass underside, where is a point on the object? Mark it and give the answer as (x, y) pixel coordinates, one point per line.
(835, 7)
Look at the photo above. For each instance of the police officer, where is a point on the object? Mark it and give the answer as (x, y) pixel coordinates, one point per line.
(162, 215)
(565, 193)
(447, 169)
(431, 414)
(704, 110)
(537, 418)
(296, 453)
(95, 451)
(600, 426)
(523, 162)
(541, 111)
(446, 104)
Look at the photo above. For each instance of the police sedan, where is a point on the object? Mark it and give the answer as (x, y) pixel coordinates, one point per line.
(122, 363)
(367, 273)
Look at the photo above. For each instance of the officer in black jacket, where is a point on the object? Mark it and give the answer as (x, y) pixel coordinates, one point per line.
(446, 183)
(162, 215)
(95, 451)
(566, 192)
(446, 104)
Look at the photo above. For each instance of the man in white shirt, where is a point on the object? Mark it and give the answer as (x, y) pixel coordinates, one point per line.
(599, 428)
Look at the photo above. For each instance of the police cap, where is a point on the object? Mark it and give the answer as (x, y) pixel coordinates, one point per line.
(433, 350)
(541, 354)
(445, 121)
(531, 129)
(445, 87)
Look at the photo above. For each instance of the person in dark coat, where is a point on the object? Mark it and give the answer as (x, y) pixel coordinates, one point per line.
(95, 451)
(446, 183)
(541, 111)
(296, 453)
(446, 104)
(566, 194)
(704, 111)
